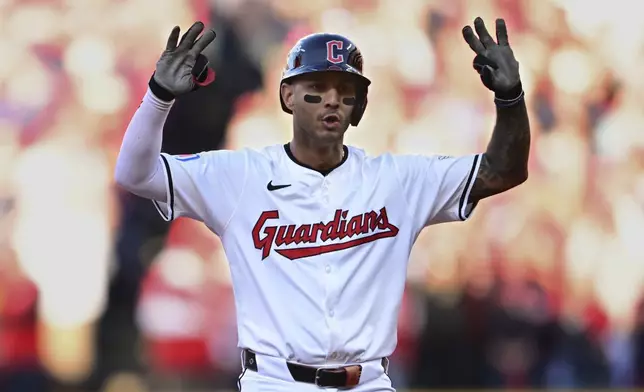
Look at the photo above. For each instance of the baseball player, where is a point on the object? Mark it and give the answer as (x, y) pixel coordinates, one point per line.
(317, 233)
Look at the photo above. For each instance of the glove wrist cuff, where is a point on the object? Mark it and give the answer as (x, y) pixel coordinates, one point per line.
(509, 98)
(159, 91)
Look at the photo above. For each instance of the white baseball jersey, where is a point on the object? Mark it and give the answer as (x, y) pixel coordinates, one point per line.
(318, 262)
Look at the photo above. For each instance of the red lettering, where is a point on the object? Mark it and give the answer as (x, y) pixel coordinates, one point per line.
(354, 226)
(285, 235)
(383, 221)
(314, 231)
(370, 222)
(372, 225)
(331, 55)
(265, 243)
(303, 234)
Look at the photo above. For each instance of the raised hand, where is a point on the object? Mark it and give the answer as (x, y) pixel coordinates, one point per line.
(182, 67)
(494, 61)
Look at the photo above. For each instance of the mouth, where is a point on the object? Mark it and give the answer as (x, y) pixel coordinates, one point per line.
(331, 120)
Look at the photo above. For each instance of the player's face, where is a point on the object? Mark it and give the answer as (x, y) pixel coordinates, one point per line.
(322, 104)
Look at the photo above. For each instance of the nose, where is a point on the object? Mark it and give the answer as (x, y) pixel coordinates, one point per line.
(332, 98)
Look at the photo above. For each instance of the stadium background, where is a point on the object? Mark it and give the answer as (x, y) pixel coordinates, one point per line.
(541, 289)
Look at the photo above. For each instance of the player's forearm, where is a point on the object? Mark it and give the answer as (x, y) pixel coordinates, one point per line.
(138, 162)
(505, 162)
(509, 147)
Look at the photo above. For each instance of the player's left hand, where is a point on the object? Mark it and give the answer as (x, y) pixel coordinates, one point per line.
(494, 61)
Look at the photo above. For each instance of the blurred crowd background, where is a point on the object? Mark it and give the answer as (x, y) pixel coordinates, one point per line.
(542, 288)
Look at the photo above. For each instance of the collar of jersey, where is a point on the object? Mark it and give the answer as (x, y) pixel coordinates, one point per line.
(289, 153)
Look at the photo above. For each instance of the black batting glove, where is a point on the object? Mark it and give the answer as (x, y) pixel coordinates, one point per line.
(183, 68)
(495, 62)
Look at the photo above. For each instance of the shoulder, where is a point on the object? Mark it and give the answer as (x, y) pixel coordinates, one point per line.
(264, 157)
(404, 163)
(358, 154)
(240, 155)
(271, 152)
(382, 165)
(389, 158)
(363, 159)
(251, 159)
(224, 160)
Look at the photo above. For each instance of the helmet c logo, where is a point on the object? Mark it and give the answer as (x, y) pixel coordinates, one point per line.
(331, 55)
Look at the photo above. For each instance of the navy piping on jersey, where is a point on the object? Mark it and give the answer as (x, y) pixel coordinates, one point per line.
(463, 202)
(287, 148)
(239, 379)
(171, 188)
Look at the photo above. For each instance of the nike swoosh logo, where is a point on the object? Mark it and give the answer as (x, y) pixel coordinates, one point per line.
(272, 187)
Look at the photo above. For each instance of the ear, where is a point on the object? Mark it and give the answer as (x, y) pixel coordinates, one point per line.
(287, 95)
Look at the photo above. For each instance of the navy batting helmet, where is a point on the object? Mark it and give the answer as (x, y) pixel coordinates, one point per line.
(323, 52)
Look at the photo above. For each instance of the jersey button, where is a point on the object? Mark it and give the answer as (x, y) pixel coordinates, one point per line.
(331, 313)
(328, 269)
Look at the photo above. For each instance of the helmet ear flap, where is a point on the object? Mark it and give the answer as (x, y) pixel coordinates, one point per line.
(361, 106)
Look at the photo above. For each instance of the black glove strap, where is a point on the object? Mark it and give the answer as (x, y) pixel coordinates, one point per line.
(159, 91)
(509, 98)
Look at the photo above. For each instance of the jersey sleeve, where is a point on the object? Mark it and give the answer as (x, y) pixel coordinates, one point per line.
(437, 188)
(205, 186)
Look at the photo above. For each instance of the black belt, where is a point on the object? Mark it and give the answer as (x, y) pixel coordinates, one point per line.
(340, 377)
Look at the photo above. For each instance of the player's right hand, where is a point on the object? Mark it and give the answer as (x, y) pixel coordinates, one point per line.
(175, 70)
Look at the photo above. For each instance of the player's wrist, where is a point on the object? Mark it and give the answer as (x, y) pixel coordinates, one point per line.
(512, 97)
(159, 91)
